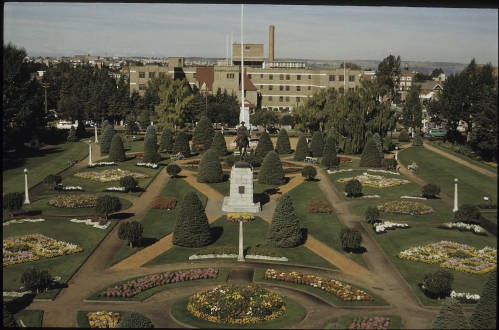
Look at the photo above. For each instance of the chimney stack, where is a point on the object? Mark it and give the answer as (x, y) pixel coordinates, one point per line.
(271, 43)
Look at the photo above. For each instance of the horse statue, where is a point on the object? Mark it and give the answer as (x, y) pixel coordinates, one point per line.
(242, 140)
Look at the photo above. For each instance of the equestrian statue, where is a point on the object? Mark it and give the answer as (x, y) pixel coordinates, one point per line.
(242, 140)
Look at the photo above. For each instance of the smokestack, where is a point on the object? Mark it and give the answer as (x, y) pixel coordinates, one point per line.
(271, 43)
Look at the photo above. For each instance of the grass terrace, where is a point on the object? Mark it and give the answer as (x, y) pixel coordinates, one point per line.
(30, 318)
(449, 147)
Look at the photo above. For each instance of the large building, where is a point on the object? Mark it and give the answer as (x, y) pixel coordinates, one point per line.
(281, 85)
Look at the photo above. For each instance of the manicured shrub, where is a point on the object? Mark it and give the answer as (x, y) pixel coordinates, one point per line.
(317, 144)
(287, 120)
(283, 146)
(370, 155)
(219, 144)
(309, 172)
(263, 147)
(271, 171)
(192, 228)
(107, 204)
(173, 170)
(72, 135)
(484, 316)
(388, 143)
(379, 143)
(389, 164)
(166, 140)
(329, 156)
(182, 144)
(151, 154)
(203, 135)
(438, 284)
(417, 141)
(210, 169)
(451, 316)
(372, 214)
(353, 188)
(35, 279)
(131, 127)
(117, 151)
(52, 179)
(403, 136)
(301, 149)
(107, 137)
(467, 213)
(284, 230)
(12, 201)
(129, 182)
(135, 321)
(431, 190)
(131, 232)
(350, 239)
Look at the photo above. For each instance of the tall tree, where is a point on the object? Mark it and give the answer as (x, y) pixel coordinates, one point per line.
(284, 230)
(388, 76)
(175, 97)
(210, 169)
(151, 154)
(203, 135)
(301, 149)
(450, 316)
(271, 171)
(329, 156)
(192, 228)
(412, 111)
(283, 146)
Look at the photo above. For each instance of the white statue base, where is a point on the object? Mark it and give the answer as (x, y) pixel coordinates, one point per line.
(241, 190)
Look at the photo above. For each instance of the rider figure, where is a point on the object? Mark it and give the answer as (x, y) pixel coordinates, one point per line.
(242, 138)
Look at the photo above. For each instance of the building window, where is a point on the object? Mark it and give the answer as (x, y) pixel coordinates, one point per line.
(309, 88)
(287, 87)
(151, 75)
(142, 87)
(270, 98)
(281, 77)
(270, 87)
(194, 75)
(287, 98)
(297, 100)
(161, 74)
(230, 76)
(351, 78)
(309, 76)
(342, 90)
(261, 75)
(287, 77)
(342, 78)
(142, 74)
(332, 77)
(351, 89)
(298, 88)
(281, 98)
(281, 88)
(298, 77)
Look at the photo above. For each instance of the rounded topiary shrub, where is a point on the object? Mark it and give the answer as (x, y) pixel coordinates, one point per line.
(129, 182)
(438, 284)
(309, 172)
(301, 149)
(350, 239)
(219, 144)
(210, 169)
(151, 154)
(417, 141)
(203, 135)
(329, 156)
(271, 171)
(107, 204)
(317, 144)
(372, 215)
(117, 151)
(467, 213)
(431, 190)
(403, 136)
(182, 144)
(72, 135)
(173, 170)
(370, 155)
(192, 228)
(284, 230)
(166, 140)
(52, 179)
(12, 201)
(283, 146)
(389, 164)
(107, 137)
(353, 188)
(263, 147)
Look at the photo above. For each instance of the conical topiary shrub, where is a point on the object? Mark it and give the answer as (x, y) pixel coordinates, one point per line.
(283, 146)
(451, 316)
(210, 169)
(403, 136)
(166, 141)
(151, 154)
(271, 171)
(418, 140)
(203, 135)
(182, 144)
(317, 144)
(301, 149)
(484, 316)
(284, 231)
(370, 155)
(329, 156)
(219, 144)
(72, 135)
(107, 137)
(192, 228)
(379, 143)
(103, 127)
(117, 151)
(263, 147)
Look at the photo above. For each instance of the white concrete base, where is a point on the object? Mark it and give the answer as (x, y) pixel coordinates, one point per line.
(231, 205)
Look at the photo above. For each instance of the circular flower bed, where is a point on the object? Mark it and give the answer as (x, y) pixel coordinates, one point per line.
(73, 201)
(405, 207)
(109, 175)
(236, 305)
(376, 181)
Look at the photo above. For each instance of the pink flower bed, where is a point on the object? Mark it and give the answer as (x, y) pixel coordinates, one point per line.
(135, 286)
(376, 322)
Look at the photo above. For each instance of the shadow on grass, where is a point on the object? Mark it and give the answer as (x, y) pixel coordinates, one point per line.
(146, 241)
(121, 215)
(216, 232)
(358, 250)
(13, 160)
(304, 235)
(312, 180)
(18, 304)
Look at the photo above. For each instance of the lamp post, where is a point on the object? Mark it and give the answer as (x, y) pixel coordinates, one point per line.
(455, 209)
(89, 152)
(240, 256)
(96, 139)
(26, 193)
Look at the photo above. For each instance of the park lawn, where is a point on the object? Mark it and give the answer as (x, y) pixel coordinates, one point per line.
(87, 237)
(323, 226)
(48, 161)
(344, 321)
(447, 146)
(254, 233)
(398, 240)
(30, 318)
(434, 168)
(492, 216)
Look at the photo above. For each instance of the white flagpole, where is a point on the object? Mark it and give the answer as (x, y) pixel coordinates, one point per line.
(243, 112)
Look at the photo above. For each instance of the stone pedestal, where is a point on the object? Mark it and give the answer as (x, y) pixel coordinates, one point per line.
(241, 190)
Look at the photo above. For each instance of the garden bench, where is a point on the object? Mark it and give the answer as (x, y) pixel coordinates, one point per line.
(312, 160)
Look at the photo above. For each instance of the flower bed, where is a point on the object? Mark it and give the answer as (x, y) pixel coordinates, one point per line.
(454, 255)
(465, 297)
(344, 159)
(91, 222)
(339, 171)
(383, 171)
(109, 175)
(73, 201)
(240, 217)
(21, 221)
(101, 164)
(405, 207)
(371, 323)
(375, 181)
(103, 319)
(168, 203)
(150, 165)
(68, 188)
(341, 290)
(463, 227)
(27, 248)
(230, 304)
(319, 206)
(382, 227)
(135, 286)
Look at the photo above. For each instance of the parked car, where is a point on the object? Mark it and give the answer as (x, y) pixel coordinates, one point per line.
(272, 130)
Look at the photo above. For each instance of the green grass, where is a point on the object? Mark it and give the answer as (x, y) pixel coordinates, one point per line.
(439, 170)
(65, 266)
(222, 277)
(344, 321)
(492, 216)
(258, 277)
(30, 318)
(294, 314)
(447, 146)
(82, 320)
(254, 233)
(49, 161)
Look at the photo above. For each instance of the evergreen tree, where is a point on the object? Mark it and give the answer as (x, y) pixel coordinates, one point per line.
(379, 143)
(219, 144)
(151, 154)
(284, 231)
(173, 170)
(329, 156)
(283, 146)
(166, 143)
(451, 316)
(192, 228)
(350, 239)
(301, 149)
(263, 147)
(182, 144)
(203, 135)
(129, 182)
(210, 169)
(370, 155)
(80, 130)
(107, 137)
(317, 144)
(107, 204)
(353, 188)
(403, 136)
(104, 124)
(308, 172)
(117, 151)
(438, 284)
(271, 171)
(484, 316)
(72, 135)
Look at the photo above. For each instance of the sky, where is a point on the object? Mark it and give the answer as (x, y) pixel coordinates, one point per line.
(302, 32)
